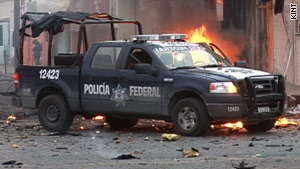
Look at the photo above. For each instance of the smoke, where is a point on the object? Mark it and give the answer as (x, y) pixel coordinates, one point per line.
(183, 17)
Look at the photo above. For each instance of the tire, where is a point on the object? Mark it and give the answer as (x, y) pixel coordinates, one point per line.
(54, 113)
(260, 127)
(120, 123)
(190, 117)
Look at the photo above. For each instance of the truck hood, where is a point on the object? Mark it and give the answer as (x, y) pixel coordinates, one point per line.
(239, 73)
(219, 73)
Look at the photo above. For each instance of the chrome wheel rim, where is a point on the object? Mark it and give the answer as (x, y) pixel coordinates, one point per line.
(187, 118)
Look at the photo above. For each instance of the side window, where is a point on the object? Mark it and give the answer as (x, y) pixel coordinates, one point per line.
(137, 56)
(106, 57)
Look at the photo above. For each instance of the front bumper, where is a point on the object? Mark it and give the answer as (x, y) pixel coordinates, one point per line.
(244, 106)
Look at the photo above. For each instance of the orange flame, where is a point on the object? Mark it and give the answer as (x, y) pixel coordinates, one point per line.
(11, 117)
(98, 117)
(199, 35)
(82, 127)
(220, 2)
(237, 125)
(284, 122)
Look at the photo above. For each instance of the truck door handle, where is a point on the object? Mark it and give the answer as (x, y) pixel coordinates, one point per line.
(122, 78)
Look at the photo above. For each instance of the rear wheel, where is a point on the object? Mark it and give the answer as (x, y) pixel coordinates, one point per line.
(54, 113)
(190, 117)
(119, 123)
(260, 127)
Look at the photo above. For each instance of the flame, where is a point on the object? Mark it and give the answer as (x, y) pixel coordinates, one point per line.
(236, 125)
(220, 2)
(82, 127)
(98, 117)
(199, 35)
(11, 117)
(284, 122)
(232, 48)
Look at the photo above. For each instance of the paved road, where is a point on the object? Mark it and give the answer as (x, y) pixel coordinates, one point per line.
(95, 147)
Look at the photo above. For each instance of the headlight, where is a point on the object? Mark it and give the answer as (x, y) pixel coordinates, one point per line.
(222, 87)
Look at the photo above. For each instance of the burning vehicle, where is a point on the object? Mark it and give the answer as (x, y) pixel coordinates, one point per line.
(192, 85)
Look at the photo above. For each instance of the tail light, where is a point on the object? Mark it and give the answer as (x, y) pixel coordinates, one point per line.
(17, 80)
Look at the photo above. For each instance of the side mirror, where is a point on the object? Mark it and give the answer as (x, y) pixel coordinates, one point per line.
(145, 68)
(242, 64)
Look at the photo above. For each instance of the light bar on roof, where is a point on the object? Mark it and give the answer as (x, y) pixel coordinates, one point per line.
(158, 37)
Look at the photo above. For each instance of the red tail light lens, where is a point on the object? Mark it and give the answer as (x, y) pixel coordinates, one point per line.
(17, 80)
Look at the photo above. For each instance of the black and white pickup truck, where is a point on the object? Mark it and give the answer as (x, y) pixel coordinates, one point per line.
(150, 76)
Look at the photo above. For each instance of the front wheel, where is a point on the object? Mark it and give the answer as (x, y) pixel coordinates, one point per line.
(119, 123)
(260, 127)
(54, 113)
(190, 117)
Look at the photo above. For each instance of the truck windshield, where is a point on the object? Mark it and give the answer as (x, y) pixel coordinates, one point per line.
(175, 57)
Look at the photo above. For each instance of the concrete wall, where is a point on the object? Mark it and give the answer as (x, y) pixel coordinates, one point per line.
(284, 37)
(6, 20)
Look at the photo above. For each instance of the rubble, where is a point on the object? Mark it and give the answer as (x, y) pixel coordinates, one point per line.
(170, 137)
(189, 153)
(125, 157)
(243, 165)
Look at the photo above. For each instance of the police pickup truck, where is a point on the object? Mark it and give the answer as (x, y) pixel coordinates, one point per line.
(150, 76)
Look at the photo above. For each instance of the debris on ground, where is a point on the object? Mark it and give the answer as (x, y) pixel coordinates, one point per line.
(256, 139)
(15, 146)
(243, 165)
(125, 157)
(11, 162)
(261, 155)
(62, 133)
(251, 145)
(189, 153)
(170, 137)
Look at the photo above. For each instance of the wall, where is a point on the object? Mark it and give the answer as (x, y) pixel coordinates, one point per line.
(6, 20)
(283, 40)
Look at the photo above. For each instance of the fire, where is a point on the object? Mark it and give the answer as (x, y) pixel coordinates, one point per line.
(98, 117)
(199, 35)
(82, 127)
(236, 125)
(220, 2)
(284, 122)
(12, 118)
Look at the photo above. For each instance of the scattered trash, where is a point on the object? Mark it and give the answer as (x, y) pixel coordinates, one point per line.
(137, 152)
(125, 157)
(62, 133)
(289, 149)
(205, 148)
(12, 162)
(62, 148)
(146, 139)
(251, 145)
(243, 165)
(256, 139)
(261, 155)
(274, 145)
(235, 144)
(118, 141)
(15, 146)
(115, 138)
(170, 137)
(189, 153)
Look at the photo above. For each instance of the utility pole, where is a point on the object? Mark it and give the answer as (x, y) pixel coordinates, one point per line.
(16, 28)
(270, 36)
